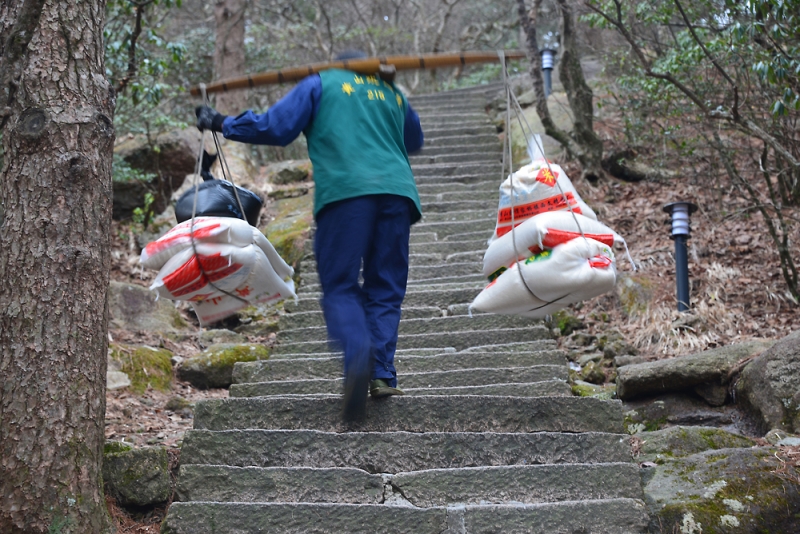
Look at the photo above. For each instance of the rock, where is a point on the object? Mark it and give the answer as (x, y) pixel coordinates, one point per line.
(216, 336)
(769, 388)
(674, 409)
(289, 230)
(585, 389)
(627, 359)
(170, 158)
(679, 441)
(158, 226)
(177, 403)
(580, 339)
(714, 394)
(288, 172)
(136, 477)
(145, 366)
(683, 372)
(724, 490)
(634, 292)
(213, 368)
(117, 380)
(566, 323)
(613, 344)
(593, 373)
(595, 357)
(133, 307)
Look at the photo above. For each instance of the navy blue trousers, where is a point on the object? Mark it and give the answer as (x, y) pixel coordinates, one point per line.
(369, 232)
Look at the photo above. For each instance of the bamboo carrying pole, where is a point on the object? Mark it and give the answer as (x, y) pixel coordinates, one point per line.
(362, 66)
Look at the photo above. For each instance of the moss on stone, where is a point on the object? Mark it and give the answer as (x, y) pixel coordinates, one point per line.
(145, 366)
(213, 368)
(566, 322)
(584, 389)
(289, 231)
(113, 447)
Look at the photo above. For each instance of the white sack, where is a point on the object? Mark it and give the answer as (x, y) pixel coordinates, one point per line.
(544, 231)
(577, 270)
(227, 230)
(536, 190)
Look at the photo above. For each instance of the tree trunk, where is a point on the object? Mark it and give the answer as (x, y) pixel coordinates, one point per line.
(56, 110)
(229, 53)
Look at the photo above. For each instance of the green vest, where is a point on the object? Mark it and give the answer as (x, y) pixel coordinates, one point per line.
(356, 140)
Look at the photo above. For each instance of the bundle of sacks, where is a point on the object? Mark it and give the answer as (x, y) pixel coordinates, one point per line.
(557, 254)
(220, 265)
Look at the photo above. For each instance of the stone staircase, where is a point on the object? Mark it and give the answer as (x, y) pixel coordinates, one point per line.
(488, 438)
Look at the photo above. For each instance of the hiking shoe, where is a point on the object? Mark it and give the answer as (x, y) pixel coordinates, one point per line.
(354, 405)
(380, 388)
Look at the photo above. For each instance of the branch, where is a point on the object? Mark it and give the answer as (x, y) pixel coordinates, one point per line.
(713, 60)
(137, 31)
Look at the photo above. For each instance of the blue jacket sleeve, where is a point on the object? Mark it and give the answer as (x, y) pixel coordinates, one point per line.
(283, 122)
(412, 131)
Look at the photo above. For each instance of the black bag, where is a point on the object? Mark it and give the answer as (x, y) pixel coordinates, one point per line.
(215, 198)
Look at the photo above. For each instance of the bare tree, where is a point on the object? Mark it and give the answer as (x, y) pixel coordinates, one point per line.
(56, 111)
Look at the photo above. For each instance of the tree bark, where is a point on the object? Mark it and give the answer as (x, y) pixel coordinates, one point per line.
(229, 58)
(57, 136)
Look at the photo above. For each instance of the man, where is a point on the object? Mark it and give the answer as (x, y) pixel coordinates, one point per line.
(360, 130)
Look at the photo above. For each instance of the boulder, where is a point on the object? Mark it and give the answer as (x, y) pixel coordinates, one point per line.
(136, 477)
(145, 366)
(207, 338)
(634, 292)
(170, 157)
(679, 441)
(684, 372)
(213, 368)
(133, 307)
(289, 172)
(655, 413)
(769, 388)
(115, 378)
(723, 491)
(289, 230)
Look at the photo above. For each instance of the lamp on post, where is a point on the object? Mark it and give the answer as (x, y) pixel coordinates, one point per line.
(548, 62)
(680, 213)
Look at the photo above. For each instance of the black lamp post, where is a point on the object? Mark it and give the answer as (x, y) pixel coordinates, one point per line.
(680, 213)
(548, 62)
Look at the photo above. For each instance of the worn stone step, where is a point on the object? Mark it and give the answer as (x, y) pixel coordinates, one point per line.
(444, 229)
(479, 202)
(492, 147)
(483, 91)
(223, 483)
(393, 452)
(424, 326)
(456, 157)
(315, 317)
(446, 248)
(455, 129)
(518, 347)
(459, 340)
(608, 516)
(443, 120)
(544, 388)
(468, 184)
(487, 196)
(458, 213)
(419, 297)
(450, 169)
(529, 484)
(455, 271)
(520, 484)
(419, 381)
(416, 414)
(331, 366)
(456, 140)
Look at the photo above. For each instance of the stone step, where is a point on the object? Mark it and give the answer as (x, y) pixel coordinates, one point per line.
(393, 452)
(517, 347)
(331, 366)
(488, 170)
(488, 196)
(443, 229)
(446, 248)
(459, 340)
(483, 91)
(454, 270)
(468, 105)
(437, 278)
(479, 202)
(456, 140)
(608, 516)
(426, 326)
(419, 297)
(457, 157)
(458, 213)
(469, 184)
(520, 484)
(416, 381)
(491, 146)
(441, 120)
(455, 413)
(454, 129)
(545, 388)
